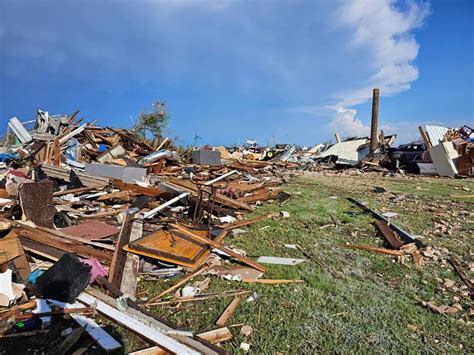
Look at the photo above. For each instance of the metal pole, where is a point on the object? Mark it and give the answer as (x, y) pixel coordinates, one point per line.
(403, 234)
(375, 119)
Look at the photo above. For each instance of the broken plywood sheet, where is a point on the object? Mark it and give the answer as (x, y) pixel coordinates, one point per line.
(91, 230)
(279, 261)
(174, 246)
(10, 248)
(36, 200)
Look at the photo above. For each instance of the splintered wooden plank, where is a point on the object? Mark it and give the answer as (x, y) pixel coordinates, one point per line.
(120, 195)
(118, 261)
(47, 252)
(146, 331)
(247, 187)
(67, 245)
(56, 152)
(229, 311)
(244, 223)
(426, 140)
(75, 191)
(147, 191)
(179, 283)
(263, 195)
(219, 198)
(7, 313)
(417, 258)
(132, 263)
(272, 281)
(154, 350)
(388, 234)
(279, 261)
(374, 249)
(217, 335)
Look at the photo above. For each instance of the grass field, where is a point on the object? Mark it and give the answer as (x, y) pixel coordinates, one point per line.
(355, 301)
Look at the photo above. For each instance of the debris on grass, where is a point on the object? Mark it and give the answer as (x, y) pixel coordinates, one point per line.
(103, 222)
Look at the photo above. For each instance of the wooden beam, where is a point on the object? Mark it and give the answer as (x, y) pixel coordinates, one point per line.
(60, 243)
(132, 262)
(229, 311)
(76, 239)
(388, 234)
(425, 137)
(226, 250)
(136, 326)
(103, 214)
(219, 198)
(75, 191)
(179, 283)
(374, 249)
(271, 281)
(243, 223)
(154, 350)
(153, 321)
(147, 191)
(56, 152)
(261, 195)
(200, 297)
(4, 315)
(118, 260)
(217, 335)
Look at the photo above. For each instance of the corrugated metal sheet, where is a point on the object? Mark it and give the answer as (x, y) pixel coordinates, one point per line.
(348, 152)
(435, 133)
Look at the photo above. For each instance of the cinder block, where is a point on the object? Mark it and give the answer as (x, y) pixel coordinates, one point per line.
(207, 157)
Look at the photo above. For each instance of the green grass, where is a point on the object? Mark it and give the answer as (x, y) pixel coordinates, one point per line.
(358, 301)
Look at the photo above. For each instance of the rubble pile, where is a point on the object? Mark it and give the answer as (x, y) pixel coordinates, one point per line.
(85, 210)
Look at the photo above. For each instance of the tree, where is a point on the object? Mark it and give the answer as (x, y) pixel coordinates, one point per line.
(153, 122)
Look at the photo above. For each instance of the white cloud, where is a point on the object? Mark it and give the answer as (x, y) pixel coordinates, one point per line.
(384, 31)
(345, 123)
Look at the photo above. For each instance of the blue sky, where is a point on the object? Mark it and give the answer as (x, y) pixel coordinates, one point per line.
(287, 71)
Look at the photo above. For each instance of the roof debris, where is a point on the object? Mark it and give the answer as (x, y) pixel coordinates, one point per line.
(103, 207)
